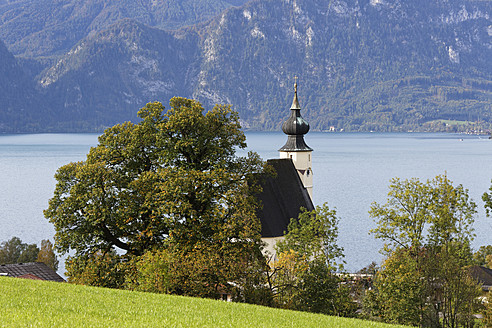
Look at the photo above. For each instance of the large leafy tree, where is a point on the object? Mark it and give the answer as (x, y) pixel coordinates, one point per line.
(171, 180)
(427, 227)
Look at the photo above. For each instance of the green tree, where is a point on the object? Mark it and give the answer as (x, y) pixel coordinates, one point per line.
(29, 254)
(101, 269)
(487, 198)
(303, 277)
(419, 213)
(47, 255)
(173, 180)
(483, 256)
(427, 228)
(15, 251)
(314, 235)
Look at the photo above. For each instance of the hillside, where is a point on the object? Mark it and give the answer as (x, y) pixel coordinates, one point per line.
(53, 27)
(364, 65)
(49, 304)
(20, 102)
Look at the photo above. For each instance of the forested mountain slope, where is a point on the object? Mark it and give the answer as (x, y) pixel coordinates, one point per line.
(47, 27)
(382, 65)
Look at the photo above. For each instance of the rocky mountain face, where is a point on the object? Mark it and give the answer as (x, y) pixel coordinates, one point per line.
(47, 27)
(382, 65)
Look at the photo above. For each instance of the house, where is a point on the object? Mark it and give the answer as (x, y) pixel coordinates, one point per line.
(33, 270)
(291, 188)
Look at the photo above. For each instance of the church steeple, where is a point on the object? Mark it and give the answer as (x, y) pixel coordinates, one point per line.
(295, 127)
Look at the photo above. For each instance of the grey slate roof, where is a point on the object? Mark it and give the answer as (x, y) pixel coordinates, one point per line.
(282, 197)
(37, 269)
(483, 275)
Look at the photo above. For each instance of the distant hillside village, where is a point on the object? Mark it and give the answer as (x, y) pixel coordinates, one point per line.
(166, 206)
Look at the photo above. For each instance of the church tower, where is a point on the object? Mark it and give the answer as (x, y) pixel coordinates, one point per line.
(295, 148)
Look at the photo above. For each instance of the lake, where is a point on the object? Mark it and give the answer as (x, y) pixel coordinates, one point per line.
(351, 170)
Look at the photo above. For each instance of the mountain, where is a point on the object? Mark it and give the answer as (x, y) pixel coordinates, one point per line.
(105, 79)
(382, 65)
(21, 107)
(54, 26)
(364, 65)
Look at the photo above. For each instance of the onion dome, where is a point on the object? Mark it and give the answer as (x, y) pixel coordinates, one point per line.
(295, 128)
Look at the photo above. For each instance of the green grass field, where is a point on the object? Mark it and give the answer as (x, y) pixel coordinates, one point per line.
(27, 303)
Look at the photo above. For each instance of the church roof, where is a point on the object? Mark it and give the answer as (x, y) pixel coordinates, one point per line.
(282, 198)
(30, 270)
(295, 127)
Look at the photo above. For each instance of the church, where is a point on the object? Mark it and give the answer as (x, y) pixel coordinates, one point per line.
(291, 189)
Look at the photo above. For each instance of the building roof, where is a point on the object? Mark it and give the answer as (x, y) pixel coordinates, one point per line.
(28, 270)
(483, 275)
(295, 127)
(282, 198)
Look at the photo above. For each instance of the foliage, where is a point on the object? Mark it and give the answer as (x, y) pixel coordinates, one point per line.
(424, 281)
(483, 256)
(149, 272)
(206, 271)
(48, 304)
(170, 183)
(47, 255)
(100, 269)
(15, 251)
(398, 296)
(487, 198)
(314, 235)
(420, 213)
(303, 275)
(487, 311)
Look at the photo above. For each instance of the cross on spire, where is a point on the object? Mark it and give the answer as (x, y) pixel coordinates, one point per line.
(295, 83)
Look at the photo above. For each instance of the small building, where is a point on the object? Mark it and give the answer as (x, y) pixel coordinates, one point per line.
(33, 270)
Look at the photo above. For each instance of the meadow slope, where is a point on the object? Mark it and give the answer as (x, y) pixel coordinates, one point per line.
(27, 303)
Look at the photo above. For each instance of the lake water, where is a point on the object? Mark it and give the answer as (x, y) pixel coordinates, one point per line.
(350, 172)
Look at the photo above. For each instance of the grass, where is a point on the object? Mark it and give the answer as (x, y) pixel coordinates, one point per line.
(27, 303)
(453, 122)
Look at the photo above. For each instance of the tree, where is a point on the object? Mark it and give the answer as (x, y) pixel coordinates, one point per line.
(487, 198)
(29, 254)
(314, 235)
(418, 213)
(101, 269)
(47, 255)
(15, 251)
(427, 228)
(173, 180)
(303, 277)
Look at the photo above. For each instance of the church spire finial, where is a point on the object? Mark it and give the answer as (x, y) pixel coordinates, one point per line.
(295, 102)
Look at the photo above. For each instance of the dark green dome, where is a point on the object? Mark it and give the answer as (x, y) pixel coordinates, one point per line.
(295, 127)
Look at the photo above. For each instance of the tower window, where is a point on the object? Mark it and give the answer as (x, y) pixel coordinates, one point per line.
(309, 157)
(290, 156)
